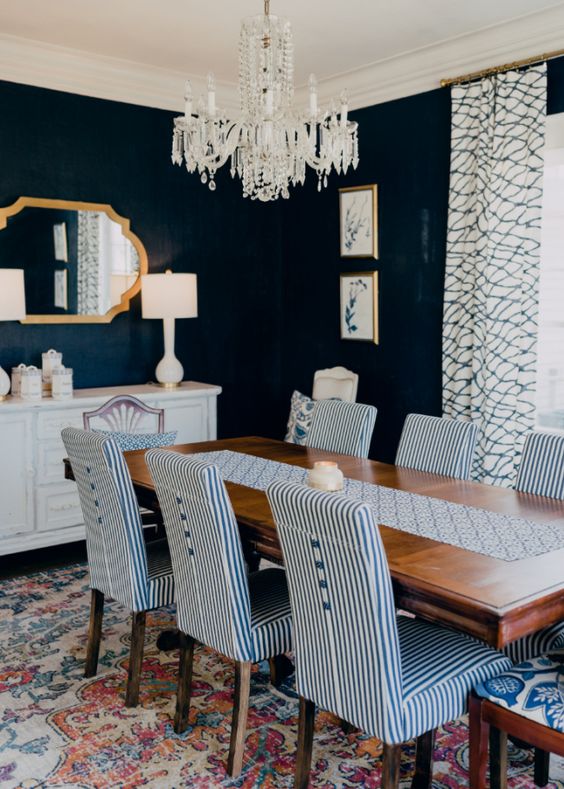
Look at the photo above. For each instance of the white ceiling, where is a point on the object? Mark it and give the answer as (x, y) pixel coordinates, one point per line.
(332, 37)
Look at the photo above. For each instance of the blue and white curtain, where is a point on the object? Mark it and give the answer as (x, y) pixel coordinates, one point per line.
(492, 267)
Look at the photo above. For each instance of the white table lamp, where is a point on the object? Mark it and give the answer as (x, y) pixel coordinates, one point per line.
(12, 308)
(169, 296)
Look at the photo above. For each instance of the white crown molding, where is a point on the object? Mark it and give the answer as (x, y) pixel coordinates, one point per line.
(60, 68)
(75, 71)
(421, 70)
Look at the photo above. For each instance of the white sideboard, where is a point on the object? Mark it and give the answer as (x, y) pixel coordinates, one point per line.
(38, 507)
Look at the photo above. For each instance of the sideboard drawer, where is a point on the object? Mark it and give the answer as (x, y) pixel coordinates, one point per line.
(49, 425)
(50, 467)
(58, 507)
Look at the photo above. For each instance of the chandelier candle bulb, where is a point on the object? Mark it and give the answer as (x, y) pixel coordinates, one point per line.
(313, 95)
(325, 475)
(188, 101)
(211, 95)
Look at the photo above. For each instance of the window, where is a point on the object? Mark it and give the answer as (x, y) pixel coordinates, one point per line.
(550, 375)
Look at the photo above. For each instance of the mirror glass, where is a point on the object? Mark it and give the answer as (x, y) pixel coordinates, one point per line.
(79, 263)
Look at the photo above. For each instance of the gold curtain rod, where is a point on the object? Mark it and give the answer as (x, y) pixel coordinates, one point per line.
(445, 83)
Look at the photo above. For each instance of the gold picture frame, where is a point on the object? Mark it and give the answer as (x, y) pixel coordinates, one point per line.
(358, 221)
(74, 205)
(359, 306)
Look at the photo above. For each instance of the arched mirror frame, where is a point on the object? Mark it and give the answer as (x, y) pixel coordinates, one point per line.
(73, 205)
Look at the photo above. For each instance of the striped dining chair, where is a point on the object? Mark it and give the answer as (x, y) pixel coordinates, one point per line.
(541, 473)
(121, 565)
(339, 426)
(396, 678)
(437, 445)
(247, 619)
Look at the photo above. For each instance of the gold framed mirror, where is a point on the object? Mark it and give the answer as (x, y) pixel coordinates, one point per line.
(81, 261)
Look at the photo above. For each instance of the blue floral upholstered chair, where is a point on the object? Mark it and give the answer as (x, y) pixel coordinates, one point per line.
(396, 678)
(527, 701)
(437, 445)
(342, 427)
(121, 566)
(247, 619)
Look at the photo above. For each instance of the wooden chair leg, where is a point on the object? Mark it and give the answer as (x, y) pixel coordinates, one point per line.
(184, 691)
(135, 658)
(346, 727)
(305, 743)
(542, 767)
(423, 778)
(94, 633)
(391, 766)
(498, 759)
(239, 721)
(280, 668)
(479, 733)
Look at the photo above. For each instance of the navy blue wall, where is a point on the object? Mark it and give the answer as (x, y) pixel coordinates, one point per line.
(64, 146)
(404, 148)
(268, 274)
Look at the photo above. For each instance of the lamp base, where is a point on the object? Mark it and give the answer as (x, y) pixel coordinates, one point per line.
(3, 397)
(169, 385)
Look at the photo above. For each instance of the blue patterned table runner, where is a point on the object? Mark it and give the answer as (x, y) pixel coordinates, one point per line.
(492, 534)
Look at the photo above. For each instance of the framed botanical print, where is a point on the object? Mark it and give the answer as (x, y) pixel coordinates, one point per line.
(358, 219)
(359, 306)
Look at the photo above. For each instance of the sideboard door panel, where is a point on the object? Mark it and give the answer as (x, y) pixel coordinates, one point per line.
(16, 474)
(189, 418)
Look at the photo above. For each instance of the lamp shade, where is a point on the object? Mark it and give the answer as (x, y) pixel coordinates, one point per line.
(12, 294)
(169, 295)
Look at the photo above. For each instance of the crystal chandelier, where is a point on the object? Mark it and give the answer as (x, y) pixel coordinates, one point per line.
(271, 143)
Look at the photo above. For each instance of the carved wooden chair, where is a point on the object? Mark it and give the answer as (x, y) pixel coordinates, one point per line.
(394, 678)
(524, 702)
(126, 414)
(335, 382)
(121, 565)
(247, 619)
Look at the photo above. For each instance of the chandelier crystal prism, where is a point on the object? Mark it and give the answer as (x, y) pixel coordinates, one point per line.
(271, 143)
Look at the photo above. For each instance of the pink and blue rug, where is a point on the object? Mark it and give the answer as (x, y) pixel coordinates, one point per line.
(58, 729)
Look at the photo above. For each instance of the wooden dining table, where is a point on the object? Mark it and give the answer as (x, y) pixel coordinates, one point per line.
(495, 600)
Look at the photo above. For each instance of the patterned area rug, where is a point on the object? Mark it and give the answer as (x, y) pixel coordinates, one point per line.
(58, 729)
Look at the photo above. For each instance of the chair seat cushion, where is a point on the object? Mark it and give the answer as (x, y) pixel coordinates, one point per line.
(439, 668)
(271, 617)
(129, 441)
(536, 644)
(299, 419)
(531, 690)
(159, 574)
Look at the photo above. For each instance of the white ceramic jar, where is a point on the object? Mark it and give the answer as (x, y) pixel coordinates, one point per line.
(50, 360)
(31, 388)
(17, 379)
(325, 475)
(61, 383)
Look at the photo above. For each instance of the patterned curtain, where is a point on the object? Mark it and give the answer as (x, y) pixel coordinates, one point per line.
(492, 267)
(88, 274)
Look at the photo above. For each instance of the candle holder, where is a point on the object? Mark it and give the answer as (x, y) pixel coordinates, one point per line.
(325, 475)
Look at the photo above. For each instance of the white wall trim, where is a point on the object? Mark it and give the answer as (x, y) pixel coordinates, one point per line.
(60, 68)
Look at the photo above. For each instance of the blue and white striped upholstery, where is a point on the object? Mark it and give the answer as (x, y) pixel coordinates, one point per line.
(216, 604)
(338, 426)
(437, 446)
(120, 566)
(541, 471)
(393, 679)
